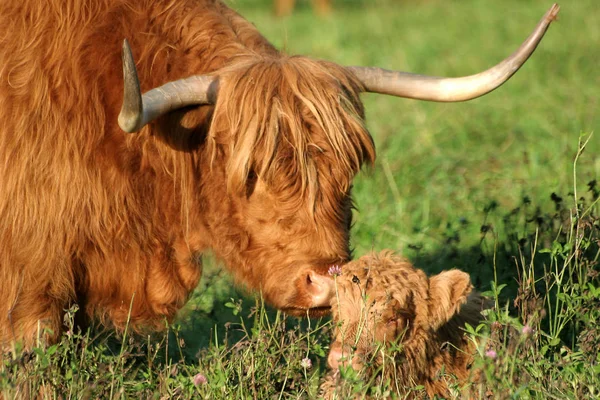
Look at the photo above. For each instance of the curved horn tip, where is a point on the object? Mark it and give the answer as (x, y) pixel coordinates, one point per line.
(126, 45)
(128, 61)
(552, 14)
(132, 109)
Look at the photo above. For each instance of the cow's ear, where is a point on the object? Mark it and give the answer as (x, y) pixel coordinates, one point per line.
(448, 291)
(319, 288)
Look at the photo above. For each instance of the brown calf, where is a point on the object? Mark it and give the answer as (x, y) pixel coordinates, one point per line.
(382, 299)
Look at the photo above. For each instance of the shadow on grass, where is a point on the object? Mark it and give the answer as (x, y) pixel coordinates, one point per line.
(518, 245)
(514, 246)
(236, 342)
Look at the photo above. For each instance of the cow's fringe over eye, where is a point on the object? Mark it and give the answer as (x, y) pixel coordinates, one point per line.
(284, 114)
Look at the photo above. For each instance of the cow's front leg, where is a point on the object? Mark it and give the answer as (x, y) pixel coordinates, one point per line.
(171, 277)
(33, 318)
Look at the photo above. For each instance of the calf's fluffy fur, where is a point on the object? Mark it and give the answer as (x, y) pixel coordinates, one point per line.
(382, 299)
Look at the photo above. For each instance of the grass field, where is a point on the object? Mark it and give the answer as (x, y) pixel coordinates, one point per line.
(497, 186)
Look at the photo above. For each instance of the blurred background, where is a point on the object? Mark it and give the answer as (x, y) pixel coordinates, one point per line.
(463, 185)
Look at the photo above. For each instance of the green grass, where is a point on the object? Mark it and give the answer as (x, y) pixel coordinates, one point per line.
(472, 185)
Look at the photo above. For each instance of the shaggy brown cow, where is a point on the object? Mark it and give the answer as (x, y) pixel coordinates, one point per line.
(381, 300)
(254, 159)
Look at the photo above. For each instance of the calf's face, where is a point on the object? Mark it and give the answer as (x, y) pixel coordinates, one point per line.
(382, 299)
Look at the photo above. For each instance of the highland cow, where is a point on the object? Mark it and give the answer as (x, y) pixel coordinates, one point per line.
(241, 149)
(389, 312)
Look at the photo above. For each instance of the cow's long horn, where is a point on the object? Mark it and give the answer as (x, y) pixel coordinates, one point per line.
(403, 84)
(138, 110)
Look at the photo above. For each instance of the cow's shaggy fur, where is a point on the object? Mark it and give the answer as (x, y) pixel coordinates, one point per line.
(383, 300)
(117, 222)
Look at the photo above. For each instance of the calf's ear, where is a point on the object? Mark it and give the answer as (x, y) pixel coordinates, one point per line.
(448, 291)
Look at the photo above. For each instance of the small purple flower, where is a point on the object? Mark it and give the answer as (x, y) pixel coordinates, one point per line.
(527, 330)
(335, 270)
(306, 363)
(491, 354)
(199, 379)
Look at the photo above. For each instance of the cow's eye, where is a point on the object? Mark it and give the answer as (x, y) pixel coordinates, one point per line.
(251, 183)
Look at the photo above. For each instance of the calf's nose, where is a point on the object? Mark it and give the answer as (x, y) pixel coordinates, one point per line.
(335, 356)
